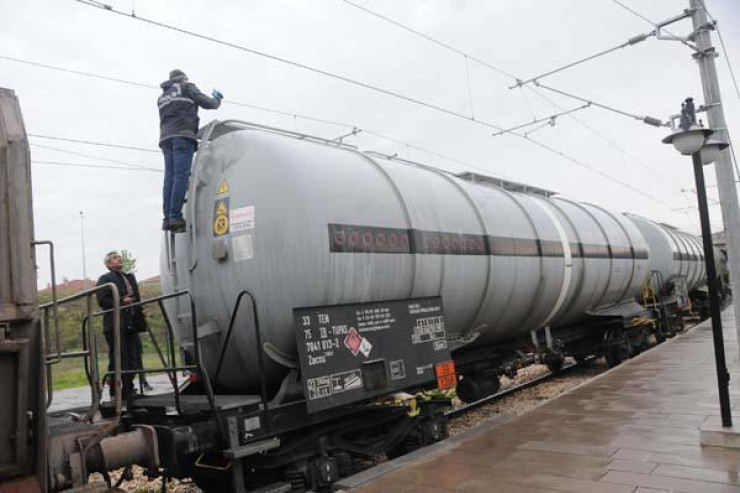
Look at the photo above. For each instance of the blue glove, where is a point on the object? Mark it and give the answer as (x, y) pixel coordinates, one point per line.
(217, 94)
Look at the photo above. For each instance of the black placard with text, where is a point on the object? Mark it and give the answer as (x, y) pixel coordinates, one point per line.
(353, 352)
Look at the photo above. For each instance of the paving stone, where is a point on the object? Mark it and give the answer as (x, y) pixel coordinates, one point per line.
(633, 429)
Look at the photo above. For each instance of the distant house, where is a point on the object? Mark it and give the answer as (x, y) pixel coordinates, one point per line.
(74, 285)
(156, 280)
(78, 285)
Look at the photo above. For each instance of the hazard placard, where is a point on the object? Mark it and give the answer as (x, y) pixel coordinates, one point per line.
(349, 353)
(221, 225)
(446, 378)
(221, 216)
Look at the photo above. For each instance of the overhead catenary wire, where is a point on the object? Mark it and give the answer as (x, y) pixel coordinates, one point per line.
(727, 61)
(279, 59)
(465, 54)
(155, 87)
(551, 118)
(655, 122)
(550, 123)
(634, 12)
(706, 76)
(632, 41)
(431, 39)
(292, 115)
(77, 72)
(610, 142)
(732, 77)
(111, 9)
(94, 143)
(102, 166)
(90, 156)
(724, 49)
(432, 153)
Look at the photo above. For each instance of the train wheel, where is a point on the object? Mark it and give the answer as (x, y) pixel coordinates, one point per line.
(324, 472)
(555, 362)
(612, 357)
(474, 387)
(434, 429)
(617, 353)
(296, 476)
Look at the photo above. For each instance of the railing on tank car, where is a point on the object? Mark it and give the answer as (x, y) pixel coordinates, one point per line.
(88, 346)
(90, 354)
(169, 367)
(54, 358)
(258, 340)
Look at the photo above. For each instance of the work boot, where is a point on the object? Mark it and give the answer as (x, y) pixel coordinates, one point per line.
(165, 224)
(177, 225)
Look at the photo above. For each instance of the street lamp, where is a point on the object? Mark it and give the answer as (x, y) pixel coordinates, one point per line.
(692, 139)
(710, 151)
(84, 261)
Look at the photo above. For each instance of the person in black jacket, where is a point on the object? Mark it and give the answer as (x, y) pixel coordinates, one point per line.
(178, 117)
(128, 292)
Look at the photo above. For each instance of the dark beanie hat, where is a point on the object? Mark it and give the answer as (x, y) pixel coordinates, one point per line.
(177, 74)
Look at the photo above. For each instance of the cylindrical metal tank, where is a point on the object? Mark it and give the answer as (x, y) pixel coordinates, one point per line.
(674, 253)
(303, 222)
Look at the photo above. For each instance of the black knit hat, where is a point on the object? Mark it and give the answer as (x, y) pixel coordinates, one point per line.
(177, 75)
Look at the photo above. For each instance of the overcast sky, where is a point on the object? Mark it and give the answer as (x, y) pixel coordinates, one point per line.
(522, 37)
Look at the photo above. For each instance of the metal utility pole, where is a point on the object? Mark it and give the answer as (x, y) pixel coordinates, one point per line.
(84, 261)
(723, 166)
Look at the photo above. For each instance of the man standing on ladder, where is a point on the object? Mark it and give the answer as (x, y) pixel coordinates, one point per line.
(178, 117)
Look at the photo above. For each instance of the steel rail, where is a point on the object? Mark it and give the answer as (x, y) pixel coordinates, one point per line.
(530, 383)
(458, 411)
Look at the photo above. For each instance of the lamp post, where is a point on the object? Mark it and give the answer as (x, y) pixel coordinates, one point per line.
(692, 139)
(82, 234)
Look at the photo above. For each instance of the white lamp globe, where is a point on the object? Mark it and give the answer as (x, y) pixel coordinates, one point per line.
(688, 141)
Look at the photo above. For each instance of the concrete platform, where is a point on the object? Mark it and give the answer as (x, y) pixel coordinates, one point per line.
(632, 429)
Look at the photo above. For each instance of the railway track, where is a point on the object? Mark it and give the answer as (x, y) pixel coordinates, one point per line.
(458, 411)
(511, 391)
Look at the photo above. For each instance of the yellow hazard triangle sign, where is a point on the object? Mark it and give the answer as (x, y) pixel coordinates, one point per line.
(223, 188)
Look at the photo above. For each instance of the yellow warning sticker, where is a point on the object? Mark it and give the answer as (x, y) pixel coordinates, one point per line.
(223, 188)
(221, 216)
(221, 225)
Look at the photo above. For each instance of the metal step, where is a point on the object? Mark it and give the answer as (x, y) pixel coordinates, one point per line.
(251, 449)
(65, 426)
(274, 488)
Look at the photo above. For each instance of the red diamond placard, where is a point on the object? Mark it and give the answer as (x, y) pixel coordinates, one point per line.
(353, 341)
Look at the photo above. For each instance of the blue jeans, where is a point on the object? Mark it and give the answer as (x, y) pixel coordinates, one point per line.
(178, 157)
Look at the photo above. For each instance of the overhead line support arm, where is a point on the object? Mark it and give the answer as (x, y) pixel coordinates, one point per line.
(550, 118)
(630, 42)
